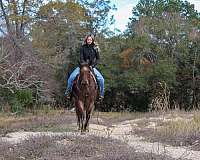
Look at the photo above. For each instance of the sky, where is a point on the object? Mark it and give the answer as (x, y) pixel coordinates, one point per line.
(124, 12)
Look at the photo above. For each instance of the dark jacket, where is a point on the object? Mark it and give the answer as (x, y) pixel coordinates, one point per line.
(89, 54)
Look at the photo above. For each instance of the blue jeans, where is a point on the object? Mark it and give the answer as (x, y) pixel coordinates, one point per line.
(98, 75)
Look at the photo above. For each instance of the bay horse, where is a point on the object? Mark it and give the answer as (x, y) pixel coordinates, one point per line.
(84, 94)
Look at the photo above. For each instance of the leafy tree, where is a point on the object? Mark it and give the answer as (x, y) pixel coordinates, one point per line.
(68, 22)
(98, 11)
(168, 26)
(18, 15)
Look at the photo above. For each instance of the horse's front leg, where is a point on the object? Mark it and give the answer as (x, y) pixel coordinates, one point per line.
(86, 126)
(82, 121)
(80, 115)
(88, 115)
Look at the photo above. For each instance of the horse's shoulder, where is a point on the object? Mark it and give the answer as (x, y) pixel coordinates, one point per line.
(94, 77)
(76, 79)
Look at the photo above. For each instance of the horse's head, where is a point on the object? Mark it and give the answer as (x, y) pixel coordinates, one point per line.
(85, 74)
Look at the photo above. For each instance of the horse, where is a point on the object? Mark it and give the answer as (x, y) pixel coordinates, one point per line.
(84, 94)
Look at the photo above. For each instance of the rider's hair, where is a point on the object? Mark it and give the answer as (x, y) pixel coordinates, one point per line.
(86, 37)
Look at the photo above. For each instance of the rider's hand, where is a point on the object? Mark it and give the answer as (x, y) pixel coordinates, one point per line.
(91, 68)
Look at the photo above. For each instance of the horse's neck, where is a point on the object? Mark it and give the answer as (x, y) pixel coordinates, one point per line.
(92, 78)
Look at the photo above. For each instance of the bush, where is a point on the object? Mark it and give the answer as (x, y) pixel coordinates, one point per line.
(18, 101)
(16, 106)
(24, 97)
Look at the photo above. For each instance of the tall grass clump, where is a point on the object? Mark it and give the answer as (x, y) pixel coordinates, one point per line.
(182, 127)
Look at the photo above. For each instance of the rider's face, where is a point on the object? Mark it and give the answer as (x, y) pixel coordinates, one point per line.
(89, 40)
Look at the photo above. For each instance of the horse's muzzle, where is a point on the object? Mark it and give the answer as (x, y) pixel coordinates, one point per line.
(84, 83)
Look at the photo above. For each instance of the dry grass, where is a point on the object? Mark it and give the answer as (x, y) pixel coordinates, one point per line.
(179, 129)
(182, 126)
(116, 117)
(185, 131)
(66, 147)
(73, 148)
(41, 121)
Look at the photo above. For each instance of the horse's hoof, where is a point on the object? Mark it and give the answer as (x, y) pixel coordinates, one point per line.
(83, 133)
(87, 130)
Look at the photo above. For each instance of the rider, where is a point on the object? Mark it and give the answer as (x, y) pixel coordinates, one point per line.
(89, 52)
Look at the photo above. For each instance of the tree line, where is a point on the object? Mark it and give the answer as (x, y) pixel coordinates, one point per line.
(154, 64)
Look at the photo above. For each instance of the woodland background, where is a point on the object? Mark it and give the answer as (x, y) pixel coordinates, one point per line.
(154, 64)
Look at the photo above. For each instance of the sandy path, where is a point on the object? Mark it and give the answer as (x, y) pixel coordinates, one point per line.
(18, 137)
(121, 131)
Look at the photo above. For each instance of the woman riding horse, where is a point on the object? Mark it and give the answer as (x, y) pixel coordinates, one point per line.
(88, 54)
(85, 86)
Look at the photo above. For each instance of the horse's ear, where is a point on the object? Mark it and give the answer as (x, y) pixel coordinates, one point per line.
(83, 64)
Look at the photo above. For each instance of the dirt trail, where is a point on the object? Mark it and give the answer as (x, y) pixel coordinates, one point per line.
(120, 131)
(18, 137)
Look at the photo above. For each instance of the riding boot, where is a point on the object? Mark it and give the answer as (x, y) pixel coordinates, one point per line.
(101, 98)
(67, 94)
